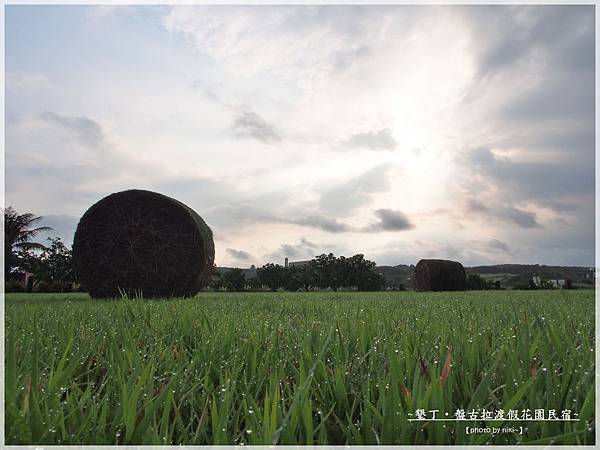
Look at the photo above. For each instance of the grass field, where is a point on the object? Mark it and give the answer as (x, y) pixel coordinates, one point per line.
(297, 368)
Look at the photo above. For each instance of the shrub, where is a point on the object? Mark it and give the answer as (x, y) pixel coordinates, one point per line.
(42, 286)
(14, 286)
(58, 287)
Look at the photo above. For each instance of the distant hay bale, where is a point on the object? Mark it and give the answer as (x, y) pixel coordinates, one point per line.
(439, 275)
(141, 241)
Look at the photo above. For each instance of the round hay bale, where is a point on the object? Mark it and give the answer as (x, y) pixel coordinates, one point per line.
(439, 275)
(141, 241)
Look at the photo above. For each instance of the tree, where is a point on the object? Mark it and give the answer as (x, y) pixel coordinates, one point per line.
(53, 265)
(327, 271)
(271, 275)
(475, 282)
(371, 281)
(58, 262)
(360, 272)
(19, 230)
(216, 281)
(234, 280)
(323, 272)
(296, 278)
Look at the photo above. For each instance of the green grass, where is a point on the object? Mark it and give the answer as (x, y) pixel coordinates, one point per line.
(295, 368)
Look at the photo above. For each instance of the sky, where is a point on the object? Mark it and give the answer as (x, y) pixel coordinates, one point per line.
(399, 132)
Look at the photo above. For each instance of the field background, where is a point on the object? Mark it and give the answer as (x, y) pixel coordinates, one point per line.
(295, 368)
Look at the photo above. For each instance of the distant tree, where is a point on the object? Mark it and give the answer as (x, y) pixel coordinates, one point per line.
(360, 272)
(19, 230)
(322, 272)
(234, 280)
(58, 259)
(371, 281)
(327, 271)
(296, 278)
(271, 275)
(54, 264)
(216, 281)
(475, 282)
(355, 272)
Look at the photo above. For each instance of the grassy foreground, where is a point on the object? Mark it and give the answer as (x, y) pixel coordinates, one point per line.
(296, 368)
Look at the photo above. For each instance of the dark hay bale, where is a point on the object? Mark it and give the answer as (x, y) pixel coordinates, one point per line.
(142, 241)
(439, 275)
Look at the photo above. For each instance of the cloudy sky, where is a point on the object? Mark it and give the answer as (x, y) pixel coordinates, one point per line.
(398, 132)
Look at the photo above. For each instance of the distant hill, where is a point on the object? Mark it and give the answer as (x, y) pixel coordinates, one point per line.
(527, 268)
(398, 276)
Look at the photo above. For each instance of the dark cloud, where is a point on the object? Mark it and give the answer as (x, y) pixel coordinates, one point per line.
(248, 124)
(475, 205)
(245, 214)
(231, 214)
(304, 250)
(322, 223)
(239, 254)
(295, 251)
(499, 245)
(535, 179)
(541, 58)
(390, 220)
(521, 217)
(346, 197)
(524, 219)
(547, 119)
(547, 54)
(559, 97)
(576, 136)
(88, 131)
(505, 36)
(373, 140)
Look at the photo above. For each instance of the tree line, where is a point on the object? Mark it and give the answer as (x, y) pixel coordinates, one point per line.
(325, 271)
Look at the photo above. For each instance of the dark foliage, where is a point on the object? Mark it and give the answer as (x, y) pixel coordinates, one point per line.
(478, 283)
(272, 276)
(19, 229)
(322, 272)
(54, 264)
(14, 286)
(141, 241)
(234, 280)
(439, 275)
